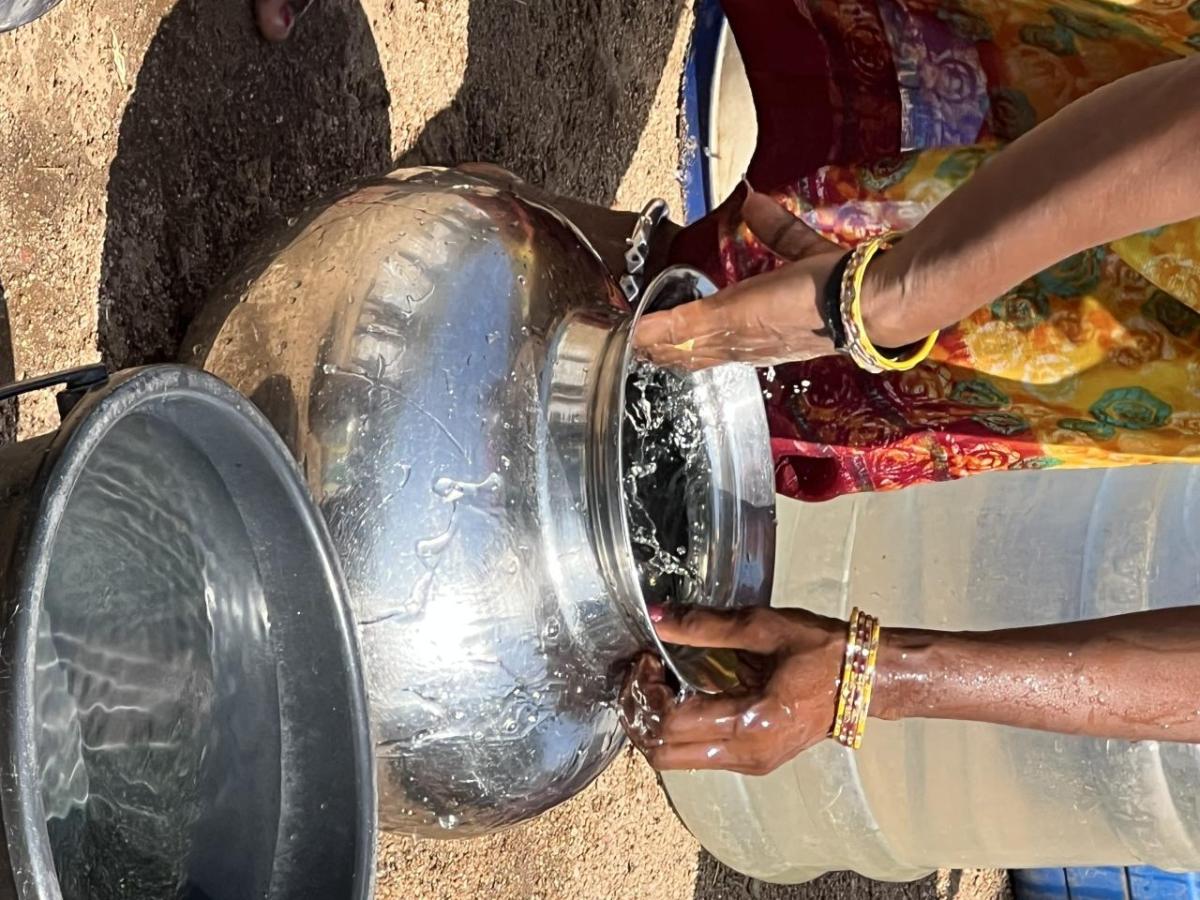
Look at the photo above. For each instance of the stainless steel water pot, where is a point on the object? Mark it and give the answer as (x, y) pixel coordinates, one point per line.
(447, 358)
(15, 13)
(181, 709)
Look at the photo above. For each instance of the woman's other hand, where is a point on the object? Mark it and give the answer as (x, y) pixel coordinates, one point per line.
(754, 733)
(1133, 677)
(769, 319)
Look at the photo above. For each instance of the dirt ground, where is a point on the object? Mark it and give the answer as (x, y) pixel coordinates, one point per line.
(143, 143)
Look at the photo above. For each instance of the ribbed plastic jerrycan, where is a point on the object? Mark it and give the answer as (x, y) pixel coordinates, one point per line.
(993, 551)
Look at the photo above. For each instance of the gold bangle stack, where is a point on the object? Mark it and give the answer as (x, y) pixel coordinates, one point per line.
(858, 346)
(857, 681)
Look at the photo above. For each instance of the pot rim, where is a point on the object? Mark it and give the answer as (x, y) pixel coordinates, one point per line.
(68, 452)
(614, 527)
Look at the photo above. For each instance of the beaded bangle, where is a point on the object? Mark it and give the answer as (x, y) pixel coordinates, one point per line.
(857, 681)
(856, 716)
(846, 682)
(868, 681)
(859, 347)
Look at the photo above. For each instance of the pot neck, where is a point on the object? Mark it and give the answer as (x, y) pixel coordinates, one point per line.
(581, 465)
(732, 547)
(610, 522)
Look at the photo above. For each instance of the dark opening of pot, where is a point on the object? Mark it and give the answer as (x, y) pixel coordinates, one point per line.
(698, 487)
(668, 479)
(198, 715)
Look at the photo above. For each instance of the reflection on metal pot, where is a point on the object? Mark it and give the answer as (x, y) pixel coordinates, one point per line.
(444, 356)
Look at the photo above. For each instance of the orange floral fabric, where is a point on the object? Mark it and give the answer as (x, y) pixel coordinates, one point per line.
(1095, 362)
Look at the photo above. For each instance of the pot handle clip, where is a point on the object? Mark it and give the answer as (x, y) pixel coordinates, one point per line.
(75, 382)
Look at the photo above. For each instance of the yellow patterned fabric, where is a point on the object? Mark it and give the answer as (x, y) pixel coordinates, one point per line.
(1095, 362)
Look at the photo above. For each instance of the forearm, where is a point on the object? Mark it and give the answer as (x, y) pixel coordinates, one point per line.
(1133, 677)
(1122, 160)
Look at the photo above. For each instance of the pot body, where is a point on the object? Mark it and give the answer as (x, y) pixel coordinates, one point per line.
(430, 346)
(446, 358)
(183, 708)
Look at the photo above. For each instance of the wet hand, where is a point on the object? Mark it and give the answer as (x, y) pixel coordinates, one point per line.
(769, 319)
(789, 711)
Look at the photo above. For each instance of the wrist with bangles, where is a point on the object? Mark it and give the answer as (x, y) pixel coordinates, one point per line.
(857, 680)
(841, 312)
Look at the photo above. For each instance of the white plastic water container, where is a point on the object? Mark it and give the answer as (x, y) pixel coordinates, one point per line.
(993, 551)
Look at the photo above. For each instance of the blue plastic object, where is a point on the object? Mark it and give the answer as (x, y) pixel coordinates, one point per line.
(696, 98)
(1151, 884)
(1039, 884)
(1105, 884)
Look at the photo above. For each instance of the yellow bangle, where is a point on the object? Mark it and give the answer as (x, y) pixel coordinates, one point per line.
(868, 683)
(846, 682)
(864, 353)
(857, 681)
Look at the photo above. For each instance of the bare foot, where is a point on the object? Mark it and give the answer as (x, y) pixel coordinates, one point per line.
(276, 17)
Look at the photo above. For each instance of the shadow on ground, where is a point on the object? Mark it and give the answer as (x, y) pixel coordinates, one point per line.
(222, 139)
(716, 882)
(558, 91)
(8, 408)
(225, 136)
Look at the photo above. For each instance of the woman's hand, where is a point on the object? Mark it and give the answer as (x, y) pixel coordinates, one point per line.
(1134, 678)
(793, 708)
(769, 319)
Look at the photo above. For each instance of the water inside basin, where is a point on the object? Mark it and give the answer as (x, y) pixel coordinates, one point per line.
(196, 712)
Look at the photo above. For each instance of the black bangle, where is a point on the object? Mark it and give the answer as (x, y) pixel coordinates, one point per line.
(829, 306)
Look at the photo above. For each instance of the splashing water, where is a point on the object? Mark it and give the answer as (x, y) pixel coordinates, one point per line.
(666, 483)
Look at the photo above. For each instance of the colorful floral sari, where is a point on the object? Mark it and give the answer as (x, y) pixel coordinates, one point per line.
(870, 112)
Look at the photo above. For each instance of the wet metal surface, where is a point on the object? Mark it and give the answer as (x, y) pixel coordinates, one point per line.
(183, 713)
(446, 359)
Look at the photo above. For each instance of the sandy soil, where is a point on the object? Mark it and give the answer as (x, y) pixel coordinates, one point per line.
(145, 142)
